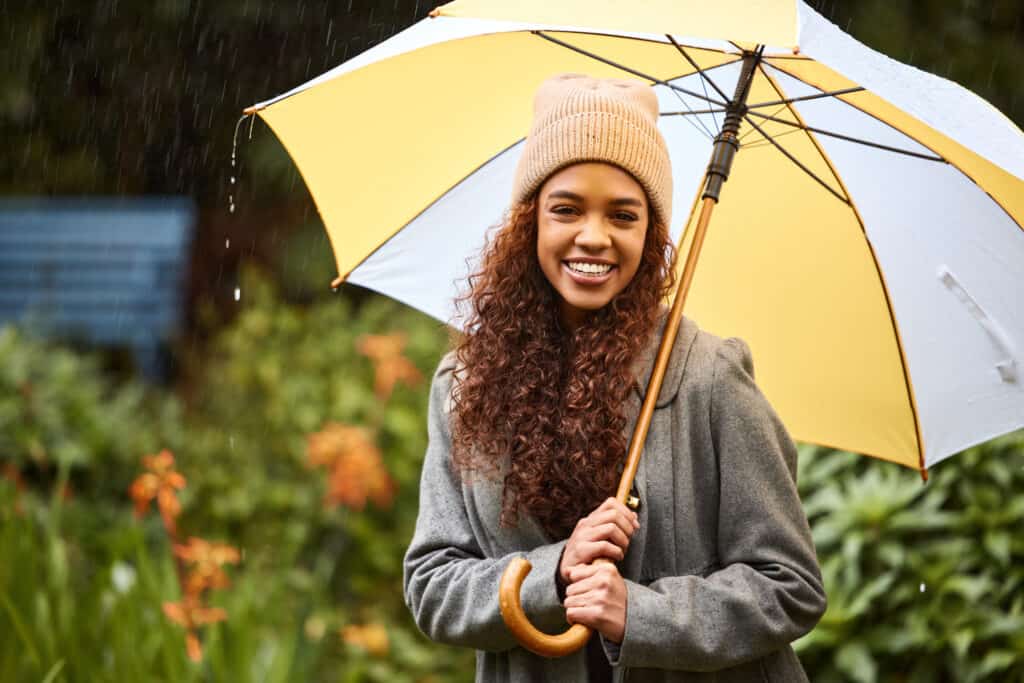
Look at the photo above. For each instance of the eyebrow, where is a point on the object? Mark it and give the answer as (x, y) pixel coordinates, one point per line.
(622, 201)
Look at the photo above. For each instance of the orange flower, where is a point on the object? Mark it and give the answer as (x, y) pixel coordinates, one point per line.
(389, 365)
(159, 482)
(334, 441)
(190, 614)
(372, 637)
(206, 559)
(356, 468)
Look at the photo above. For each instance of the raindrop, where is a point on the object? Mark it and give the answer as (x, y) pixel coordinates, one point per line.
(922, 585)
(227, 243)
(238, 297)
(232, 180)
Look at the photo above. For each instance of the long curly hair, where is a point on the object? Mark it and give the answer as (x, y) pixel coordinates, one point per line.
(540, 403)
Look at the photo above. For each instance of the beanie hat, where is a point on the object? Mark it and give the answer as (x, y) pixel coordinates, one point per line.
(577, 118)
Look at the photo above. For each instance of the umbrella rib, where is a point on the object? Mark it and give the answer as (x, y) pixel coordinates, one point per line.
(796, 161)
(751, 130)
(761, 143)
(859, 141)
(625, 68)
(703, 76)
(703, 127)
(804, 98)
(692, 111)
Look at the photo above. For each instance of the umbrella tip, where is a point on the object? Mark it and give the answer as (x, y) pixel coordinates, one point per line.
(435, 13)
(796, 49)
(336, 283)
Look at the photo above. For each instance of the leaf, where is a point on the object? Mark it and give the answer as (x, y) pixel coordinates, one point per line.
(855, 660)
(997, 543)
(997, 660)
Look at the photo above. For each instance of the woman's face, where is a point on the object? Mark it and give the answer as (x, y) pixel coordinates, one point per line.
(591, 224)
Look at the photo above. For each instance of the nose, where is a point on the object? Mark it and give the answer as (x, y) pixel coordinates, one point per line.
(593, 234)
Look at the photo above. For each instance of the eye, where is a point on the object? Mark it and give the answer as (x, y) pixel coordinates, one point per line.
(564, 210)
(625, 216)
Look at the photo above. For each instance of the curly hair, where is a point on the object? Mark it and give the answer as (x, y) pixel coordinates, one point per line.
(540, 404)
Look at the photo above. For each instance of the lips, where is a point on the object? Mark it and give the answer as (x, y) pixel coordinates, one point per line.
(585, 279)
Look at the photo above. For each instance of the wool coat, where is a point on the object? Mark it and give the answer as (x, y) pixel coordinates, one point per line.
(721, 576)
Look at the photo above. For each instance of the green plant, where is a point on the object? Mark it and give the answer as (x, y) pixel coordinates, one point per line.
(319, 580)
(925, 581)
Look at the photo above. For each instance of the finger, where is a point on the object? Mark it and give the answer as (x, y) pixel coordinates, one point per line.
(597, 584)
(582, 573)
(620, 507)
(587, 616)
(588, 552)
(579, 599)
(609, 531)
(578, 574)
(622, 517)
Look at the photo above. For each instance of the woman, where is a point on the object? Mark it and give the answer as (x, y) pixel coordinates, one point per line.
(530, 419)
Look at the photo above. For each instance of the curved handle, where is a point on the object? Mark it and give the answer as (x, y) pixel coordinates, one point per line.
(529, 637)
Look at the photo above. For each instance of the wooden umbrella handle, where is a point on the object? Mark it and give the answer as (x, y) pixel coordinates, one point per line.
(514, 575)
(528, 636)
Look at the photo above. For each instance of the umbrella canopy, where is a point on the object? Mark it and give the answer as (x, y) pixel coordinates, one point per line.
(868, 244)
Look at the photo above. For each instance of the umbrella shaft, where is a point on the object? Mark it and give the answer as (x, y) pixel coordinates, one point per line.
(668, 338)
(727, 142)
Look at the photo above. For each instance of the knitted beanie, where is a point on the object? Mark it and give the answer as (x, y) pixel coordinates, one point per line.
(577, 118)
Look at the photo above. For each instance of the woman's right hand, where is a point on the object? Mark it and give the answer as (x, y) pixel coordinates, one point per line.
(605, 532)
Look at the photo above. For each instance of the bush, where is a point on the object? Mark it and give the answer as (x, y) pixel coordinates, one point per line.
(925, 582)
(318, 592)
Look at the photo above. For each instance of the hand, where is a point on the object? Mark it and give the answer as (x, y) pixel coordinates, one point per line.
(605, 532)
(597, 598)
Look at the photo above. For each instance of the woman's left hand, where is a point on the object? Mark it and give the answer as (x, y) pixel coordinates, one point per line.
(597, 598)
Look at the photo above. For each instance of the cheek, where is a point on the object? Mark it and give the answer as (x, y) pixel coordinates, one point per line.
(633, 250)
(547, 243)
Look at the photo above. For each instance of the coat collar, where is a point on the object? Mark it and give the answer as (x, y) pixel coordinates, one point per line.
(677, 361)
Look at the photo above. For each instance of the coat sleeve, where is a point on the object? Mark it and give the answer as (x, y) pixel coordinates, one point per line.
(768, 589)
(450, 586)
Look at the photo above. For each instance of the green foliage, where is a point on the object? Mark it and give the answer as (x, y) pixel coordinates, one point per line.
(273, 376)
(925, 582)
(60, 416)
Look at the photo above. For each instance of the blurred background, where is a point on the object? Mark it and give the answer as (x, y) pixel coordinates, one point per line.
(209, 461)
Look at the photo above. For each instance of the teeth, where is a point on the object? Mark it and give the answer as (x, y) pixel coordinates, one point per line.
(589, 268)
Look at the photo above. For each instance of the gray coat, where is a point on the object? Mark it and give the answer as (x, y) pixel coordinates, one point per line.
(721, 575)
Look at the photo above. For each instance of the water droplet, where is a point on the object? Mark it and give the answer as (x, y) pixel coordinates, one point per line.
(227, 243)
(231, 207)
(922, 588)
(238, 297)
(232, 180)
(231, 439)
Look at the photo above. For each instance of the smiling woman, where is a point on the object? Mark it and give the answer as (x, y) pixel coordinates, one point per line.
(529, 422)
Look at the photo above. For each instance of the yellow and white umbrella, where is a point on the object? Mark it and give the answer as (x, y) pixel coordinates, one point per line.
(868, 245)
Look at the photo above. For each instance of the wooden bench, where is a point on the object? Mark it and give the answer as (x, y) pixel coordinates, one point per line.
(106, 272)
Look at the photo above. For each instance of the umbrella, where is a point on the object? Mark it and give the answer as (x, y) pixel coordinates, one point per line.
(869, 245)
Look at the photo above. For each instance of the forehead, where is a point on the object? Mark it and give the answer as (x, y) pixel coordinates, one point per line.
(593, 179)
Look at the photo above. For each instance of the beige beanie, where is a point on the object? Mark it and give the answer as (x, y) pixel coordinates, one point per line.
(577, 118)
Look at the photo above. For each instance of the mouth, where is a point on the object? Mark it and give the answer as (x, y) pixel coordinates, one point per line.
(588, 272)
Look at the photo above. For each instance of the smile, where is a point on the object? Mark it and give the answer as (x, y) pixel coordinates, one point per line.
(587, 268)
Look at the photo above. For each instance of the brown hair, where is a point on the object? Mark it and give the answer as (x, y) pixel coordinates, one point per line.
(546, 401)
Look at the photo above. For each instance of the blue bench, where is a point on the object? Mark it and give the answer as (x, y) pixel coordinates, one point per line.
(107, 272)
